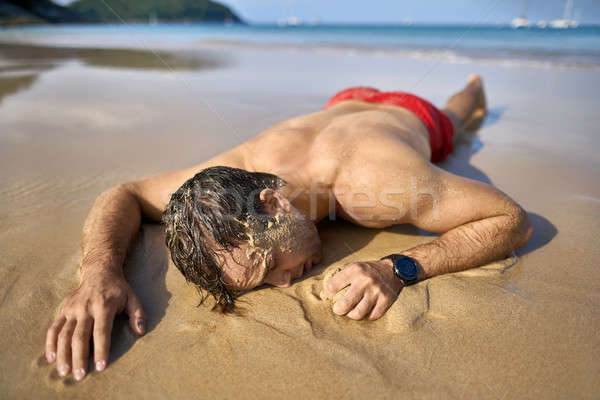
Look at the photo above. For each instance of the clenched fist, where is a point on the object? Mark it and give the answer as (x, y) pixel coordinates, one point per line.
(373, 288)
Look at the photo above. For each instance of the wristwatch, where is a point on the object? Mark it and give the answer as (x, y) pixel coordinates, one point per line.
(405, 268)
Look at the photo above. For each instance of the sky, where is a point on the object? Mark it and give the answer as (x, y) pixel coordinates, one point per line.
(418, 11)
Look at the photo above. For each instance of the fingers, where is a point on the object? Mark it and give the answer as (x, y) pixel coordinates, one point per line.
(137, 319)
(338, 282)
(89, 312)
(52, 338)
(362, 309)
(103, 323)
(80, 347)
(348, 301)
(63, 355)
(379, 309)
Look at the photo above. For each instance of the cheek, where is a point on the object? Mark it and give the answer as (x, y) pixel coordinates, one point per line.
(241, 277)
(290, 260)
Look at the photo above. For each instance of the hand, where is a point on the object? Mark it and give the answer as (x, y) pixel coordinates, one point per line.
(373, 289)
(89, 312)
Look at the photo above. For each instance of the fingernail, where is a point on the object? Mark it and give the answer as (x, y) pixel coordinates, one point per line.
(63, 369)
(338, 308)
(78, 374)
(141, 324)
(100, 365)
(51, 357)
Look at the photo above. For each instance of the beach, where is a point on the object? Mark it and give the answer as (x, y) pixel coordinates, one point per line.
(73, 123)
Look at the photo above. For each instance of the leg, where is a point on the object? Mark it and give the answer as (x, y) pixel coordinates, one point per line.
(467, 108)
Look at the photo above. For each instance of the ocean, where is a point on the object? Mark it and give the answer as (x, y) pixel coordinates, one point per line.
(567, 48)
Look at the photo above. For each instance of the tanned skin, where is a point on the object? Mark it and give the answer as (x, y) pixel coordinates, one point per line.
(365, 163)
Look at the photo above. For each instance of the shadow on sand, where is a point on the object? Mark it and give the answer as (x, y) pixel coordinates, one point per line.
(543, 233)
(145, 270)
(459, 163)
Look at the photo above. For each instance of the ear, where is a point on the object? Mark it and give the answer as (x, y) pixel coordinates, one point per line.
(274, 201)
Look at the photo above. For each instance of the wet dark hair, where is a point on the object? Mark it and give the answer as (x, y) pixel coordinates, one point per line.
(209, 213)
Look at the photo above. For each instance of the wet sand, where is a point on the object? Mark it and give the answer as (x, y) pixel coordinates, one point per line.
(73, 123)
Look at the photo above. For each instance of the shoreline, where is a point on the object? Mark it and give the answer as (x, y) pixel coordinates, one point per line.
(435, 55)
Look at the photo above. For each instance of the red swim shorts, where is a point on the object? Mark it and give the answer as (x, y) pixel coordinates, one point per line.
(441, 130)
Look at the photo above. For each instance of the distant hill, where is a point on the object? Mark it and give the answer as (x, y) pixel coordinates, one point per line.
(161, 10)
(16, 12)
(35, 11)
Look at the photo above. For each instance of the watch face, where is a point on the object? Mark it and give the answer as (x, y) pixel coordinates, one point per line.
(405, 268)
(408, 269)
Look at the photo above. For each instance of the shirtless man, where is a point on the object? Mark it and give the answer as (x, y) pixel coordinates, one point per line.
(247, 217)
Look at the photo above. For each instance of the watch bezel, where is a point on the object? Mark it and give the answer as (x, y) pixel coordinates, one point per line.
(400, 262)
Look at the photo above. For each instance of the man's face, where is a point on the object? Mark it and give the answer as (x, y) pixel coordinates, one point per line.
(283, 252)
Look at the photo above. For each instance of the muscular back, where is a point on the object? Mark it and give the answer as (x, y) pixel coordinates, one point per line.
(328, 138)
(345, 152)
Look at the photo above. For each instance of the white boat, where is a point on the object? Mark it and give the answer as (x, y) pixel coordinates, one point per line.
(542, 24)
(566, 21)
(290, 21)
(520, 22)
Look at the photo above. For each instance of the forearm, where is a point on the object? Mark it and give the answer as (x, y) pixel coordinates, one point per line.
(472, 244)
(108, 231)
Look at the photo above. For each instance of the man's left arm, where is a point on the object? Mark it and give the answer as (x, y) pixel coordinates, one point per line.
(479, 224)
